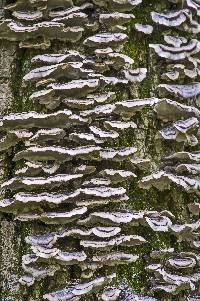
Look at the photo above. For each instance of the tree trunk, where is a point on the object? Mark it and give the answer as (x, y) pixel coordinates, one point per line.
(14, 97)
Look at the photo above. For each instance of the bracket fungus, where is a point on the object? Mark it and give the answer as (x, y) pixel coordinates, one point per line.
(123, 240)
(169, 110)
(172, 274)
(175, 273)
(177, 53)
(77, 115)
(110, 294)
(162, 180)
(181, 131)
(180, 91)
(72, 167)
(75, 292)
(146, 29)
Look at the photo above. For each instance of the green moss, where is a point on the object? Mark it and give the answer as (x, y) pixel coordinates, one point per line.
(22, 90)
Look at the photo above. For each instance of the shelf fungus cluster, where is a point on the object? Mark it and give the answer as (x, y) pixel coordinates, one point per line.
(71, 167)
(173, 272)
(68, 172)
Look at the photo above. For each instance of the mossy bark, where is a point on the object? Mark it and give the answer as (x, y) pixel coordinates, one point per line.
(14, 63)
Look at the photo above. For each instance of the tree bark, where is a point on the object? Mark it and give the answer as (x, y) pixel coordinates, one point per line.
(14, 97)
